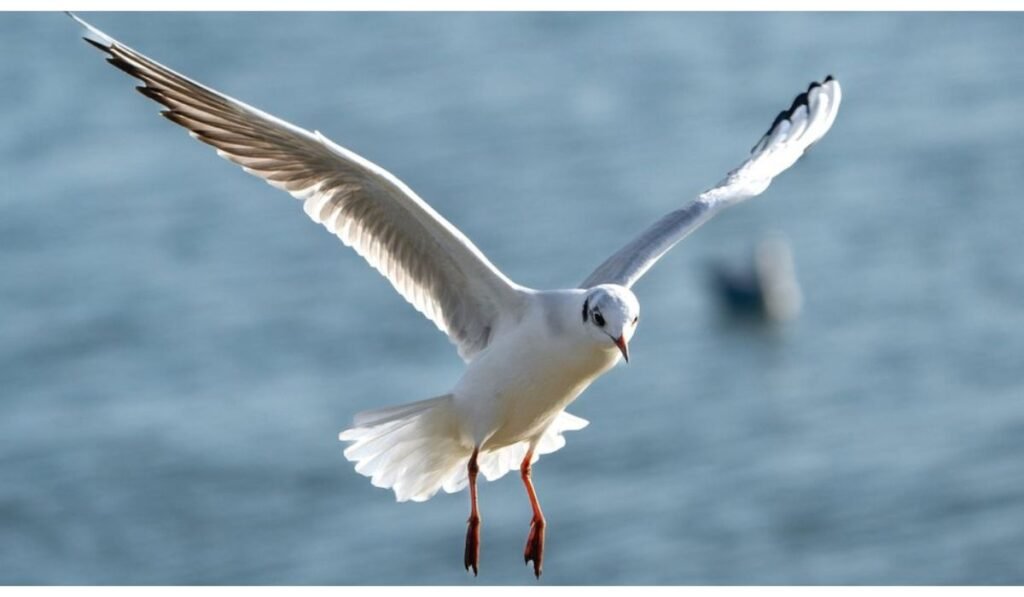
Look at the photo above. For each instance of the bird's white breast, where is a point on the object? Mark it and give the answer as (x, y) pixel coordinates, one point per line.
(529, 374)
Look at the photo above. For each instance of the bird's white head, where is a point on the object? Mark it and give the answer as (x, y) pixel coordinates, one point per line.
(610, 315)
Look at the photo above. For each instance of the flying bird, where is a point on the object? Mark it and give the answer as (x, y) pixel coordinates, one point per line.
(529, 353)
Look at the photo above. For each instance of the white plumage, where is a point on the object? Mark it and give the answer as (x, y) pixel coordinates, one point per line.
(421, 438)
(530, 353)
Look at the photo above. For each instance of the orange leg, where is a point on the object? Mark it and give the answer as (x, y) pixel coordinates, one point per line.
(472, 558)
(535, 542)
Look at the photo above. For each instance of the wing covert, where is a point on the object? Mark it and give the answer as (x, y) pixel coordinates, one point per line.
(427, 260)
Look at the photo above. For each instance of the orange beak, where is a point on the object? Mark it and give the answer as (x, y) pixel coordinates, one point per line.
(621, 343)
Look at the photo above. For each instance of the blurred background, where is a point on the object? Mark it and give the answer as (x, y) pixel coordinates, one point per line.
(180, 346)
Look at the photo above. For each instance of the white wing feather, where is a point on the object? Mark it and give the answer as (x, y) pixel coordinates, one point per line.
(428, 261)
(794, 131)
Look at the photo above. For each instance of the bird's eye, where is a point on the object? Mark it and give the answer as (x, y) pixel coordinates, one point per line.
(636, 320)
(598, 319)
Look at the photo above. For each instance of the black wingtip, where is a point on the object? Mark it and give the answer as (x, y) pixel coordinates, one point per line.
(99, 46)
(800, 100)
(781, 116)
(120, 64)
(151, 93)
(93, 36)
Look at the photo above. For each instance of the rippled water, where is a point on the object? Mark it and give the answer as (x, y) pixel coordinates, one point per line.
(179, 346)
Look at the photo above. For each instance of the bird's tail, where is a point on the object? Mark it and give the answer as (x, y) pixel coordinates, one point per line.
(415, 449)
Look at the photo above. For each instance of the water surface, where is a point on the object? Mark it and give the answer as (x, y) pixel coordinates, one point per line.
(179, 345)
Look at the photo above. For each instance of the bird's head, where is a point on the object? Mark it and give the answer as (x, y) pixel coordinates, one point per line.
(610, 315)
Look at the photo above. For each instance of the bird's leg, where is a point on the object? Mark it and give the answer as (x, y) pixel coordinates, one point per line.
(472, 558)
(535, 542)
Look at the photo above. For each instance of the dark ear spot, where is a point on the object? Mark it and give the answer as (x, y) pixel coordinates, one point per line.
(586, 310)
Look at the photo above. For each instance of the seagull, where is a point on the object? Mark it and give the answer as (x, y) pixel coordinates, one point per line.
(529, 353)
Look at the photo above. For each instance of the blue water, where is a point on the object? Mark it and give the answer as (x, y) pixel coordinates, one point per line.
(179, 345)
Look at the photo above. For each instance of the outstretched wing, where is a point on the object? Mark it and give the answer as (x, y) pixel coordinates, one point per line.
(789, 137)
(428, 261)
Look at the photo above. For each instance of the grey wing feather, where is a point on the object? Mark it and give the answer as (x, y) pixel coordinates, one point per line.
(428, 261)
(792, 133)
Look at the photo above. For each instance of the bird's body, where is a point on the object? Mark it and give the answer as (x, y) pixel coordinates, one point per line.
(516, 386)
(513, 404)
(510, 398)
(529, 353)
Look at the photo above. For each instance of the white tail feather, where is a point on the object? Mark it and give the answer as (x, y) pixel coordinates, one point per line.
(415, 449)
